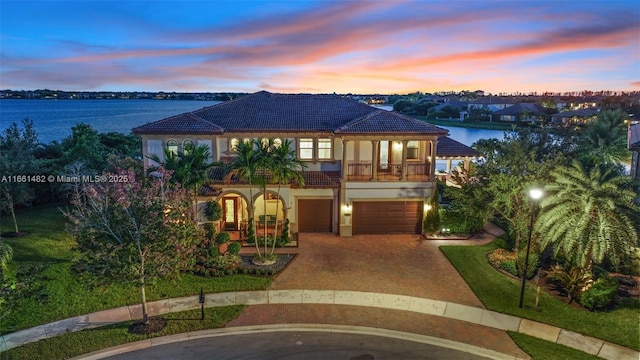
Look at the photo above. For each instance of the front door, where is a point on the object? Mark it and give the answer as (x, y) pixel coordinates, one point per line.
(230, 213)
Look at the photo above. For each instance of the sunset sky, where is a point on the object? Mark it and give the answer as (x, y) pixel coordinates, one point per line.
(320, 46)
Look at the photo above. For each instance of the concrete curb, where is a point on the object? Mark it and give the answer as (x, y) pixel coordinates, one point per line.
(449, 310)
(241, 330)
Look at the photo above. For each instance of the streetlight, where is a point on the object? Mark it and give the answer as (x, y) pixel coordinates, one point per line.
(535, 194)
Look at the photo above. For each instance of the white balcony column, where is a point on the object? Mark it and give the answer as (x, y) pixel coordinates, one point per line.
(404, 160)
(375, 159)
(345, 167)
(432, 173)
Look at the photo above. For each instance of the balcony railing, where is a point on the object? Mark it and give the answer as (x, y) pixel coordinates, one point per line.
(363, 172)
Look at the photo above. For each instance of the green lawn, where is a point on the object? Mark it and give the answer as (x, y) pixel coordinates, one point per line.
(82, 342)
(540, 349)
(65, 295)
(501, 293)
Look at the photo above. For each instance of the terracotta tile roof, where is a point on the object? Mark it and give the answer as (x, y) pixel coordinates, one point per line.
(386, 122)
(319, 179)
(187, 123)
(449, 148)
(272, 113)
(520, 108)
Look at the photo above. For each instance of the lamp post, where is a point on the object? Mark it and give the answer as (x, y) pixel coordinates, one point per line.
(535, 194)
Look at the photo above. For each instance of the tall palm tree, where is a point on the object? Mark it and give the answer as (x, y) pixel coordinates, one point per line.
(264, 167)
(589, 215)
(605, 139)
(286, 167)
(244, 165)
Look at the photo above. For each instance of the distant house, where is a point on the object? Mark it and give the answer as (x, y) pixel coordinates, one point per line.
(634, 147)
(520, 112)
(574, 117)
(369, 171)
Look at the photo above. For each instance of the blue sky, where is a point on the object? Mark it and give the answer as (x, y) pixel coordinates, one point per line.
(320, 46)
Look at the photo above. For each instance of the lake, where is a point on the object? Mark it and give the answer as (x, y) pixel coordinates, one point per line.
(53, 119)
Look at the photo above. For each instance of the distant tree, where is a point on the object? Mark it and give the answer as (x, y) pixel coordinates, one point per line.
(17, 161)
(134, 232)
(589, 214)
(84, 146)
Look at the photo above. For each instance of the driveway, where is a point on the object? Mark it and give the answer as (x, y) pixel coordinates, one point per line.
(392, 264)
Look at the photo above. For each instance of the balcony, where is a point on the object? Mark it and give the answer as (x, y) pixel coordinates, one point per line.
(364, 172)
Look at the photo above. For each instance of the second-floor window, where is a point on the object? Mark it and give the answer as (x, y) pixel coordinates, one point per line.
(412, 150)
(233, 144)
(305, 146)
(172, 146)
(188, 146)
(324, 149)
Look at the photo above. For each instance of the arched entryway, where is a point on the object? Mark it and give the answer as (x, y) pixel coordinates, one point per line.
(270, 213)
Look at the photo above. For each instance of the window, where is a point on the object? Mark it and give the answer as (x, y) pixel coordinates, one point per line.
(172, 146)
(188, 146)
(233, 144)
(324, 149)
(306, 148)
(412, 150)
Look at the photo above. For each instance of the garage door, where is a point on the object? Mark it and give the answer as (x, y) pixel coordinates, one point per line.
(387, 217)
(314, 215)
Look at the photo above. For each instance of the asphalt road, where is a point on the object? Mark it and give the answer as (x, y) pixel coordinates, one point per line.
(297, 345)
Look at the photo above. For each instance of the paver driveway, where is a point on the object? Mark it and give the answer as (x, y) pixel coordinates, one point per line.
(392, 264)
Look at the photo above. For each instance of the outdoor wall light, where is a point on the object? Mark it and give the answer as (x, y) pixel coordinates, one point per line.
(427, 207)
(397, 145)
(347, 210)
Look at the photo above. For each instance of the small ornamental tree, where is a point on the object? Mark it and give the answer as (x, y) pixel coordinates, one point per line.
(431, 223)
(134, 232)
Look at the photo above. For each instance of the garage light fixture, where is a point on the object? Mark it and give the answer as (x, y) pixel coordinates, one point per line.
(347, 209)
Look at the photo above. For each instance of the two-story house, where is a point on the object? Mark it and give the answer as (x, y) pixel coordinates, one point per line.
(368, 170)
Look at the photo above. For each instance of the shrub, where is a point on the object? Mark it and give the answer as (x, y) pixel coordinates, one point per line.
(223, 238)
(251, 233)
(285, 232)
(510, 267)
(213, 211)
(209, 231)
(532, 267)
(234, 248)
(572, 281)
(601, 295)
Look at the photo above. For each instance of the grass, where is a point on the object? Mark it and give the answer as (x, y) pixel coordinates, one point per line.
(540, 349)
(65, 295)
(82, 342)
(501, 293)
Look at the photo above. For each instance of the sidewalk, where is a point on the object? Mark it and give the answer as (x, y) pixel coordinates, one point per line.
(387, 311)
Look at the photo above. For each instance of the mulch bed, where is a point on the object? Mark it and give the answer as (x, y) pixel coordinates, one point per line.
(154, 325)
(276, 268)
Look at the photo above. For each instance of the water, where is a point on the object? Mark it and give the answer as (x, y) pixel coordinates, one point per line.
(53, 119)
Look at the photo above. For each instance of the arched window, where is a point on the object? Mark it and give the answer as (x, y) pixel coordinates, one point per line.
(172, 146)
(233, 144)
(188, 146)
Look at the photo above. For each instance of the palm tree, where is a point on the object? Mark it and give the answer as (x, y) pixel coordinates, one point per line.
(589, 215)
(285, 168)
(190, 167)
(264, 167)
(605, 139)
(244, 165)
